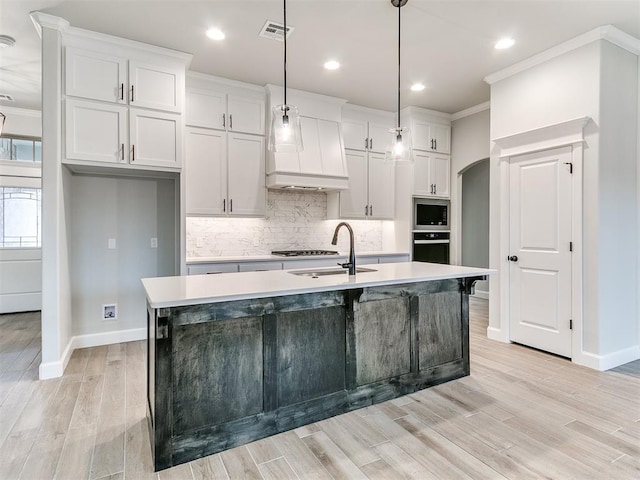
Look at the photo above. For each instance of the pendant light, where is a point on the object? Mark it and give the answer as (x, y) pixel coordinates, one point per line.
(400, 150)
(285, 134)
(3, 118)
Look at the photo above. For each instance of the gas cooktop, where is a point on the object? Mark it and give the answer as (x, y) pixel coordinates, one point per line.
(300, 253)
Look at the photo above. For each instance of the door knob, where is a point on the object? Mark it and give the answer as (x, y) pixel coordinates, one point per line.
(512, 258)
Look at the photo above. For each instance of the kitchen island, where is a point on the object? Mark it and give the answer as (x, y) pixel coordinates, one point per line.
(236, 357)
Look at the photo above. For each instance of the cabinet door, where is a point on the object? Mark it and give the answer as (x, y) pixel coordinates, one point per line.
(206, 108)
(155, 86)
(95, 75)
(246, 178)
(422, 184)
(380, 138)
(331, 151)
(205, 171)
(421, 136)
(155, 138)
(211, 268)
(440, 176)
(246, 115)
(354, 134)
(310, 157)
(259, 266)
(440, 134)
(381, 187)
(353, 201)
(96, 132)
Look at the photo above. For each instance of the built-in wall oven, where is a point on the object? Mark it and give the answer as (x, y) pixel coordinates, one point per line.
(431, 231)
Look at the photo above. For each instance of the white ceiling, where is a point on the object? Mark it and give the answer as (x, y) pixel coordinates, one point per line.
(446, 44)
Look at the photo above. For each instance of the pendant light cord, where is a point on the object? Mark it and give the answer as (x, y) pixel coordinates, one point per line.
(399, 6)
(285, 53)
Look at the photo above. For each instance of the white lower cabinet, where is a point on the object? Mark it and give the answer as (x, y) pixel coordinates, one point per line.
(211, 268)
(224, 173)
(97, 132)
(431, 174)
(371, 187)
(259, 266)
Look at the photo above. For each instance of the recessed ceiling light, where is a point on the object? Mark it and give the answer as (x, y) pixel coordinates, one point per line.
(7, 41)
(504, 43)
(215, 34)
(417, 87)
(332, 65)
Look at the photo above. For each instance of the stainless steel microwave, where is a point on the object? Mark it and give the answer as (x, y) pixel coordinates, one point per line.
(431, 214)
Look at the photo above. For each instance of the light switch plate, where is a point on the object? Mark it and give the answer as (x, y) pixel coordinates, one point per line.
(154, 243)
(111, 243)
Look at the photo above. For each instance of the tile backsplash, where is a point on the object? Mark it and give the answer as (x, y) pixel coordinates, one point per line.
(294, 220)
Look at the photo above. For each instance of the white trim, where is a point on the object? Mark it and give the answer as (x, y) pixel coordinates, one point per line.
(350, 110)
(467, 112)
(221, 81)
(56, 369)
(497, 334)
(432, 115)
(542, 138)
(20, 302)
(608, 361)
(606, 32)
(40, 20)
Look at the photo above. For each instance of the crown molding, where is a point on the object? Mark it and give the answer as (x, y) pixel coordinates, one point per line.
(605, 32)
(470, 111)
(45, 20)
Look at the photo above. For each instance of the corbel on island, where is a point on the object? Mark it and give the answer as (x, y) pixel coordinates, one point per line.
(236, 357)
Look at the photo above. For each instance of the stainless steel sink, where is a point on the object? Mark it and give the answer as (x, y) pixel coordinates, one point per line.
(333, 271)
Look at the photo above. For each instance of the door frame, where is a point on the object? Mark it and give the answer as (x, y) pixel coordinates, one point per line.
(569, 133)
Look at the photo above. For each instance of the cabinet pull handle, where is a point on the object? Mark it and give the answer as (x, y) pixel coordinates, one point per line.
(371, 144)
(231, 205)
(122, 153)
(435, 189)
(431, 188)
(224, 204)
(133, 153)
(435, 144)
(224, 120)
(122, 91)
(366, 210)
(131, 93)
(370, 210)
(231, 121)
(366, 143)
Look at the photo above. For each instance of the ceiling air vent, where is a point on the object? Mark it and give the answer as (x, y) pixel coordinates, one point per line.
(5, 97)
(275, 30)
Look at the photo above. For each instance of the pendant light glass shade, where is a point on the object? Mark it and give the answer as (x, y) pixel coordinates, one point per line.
(3, 118)
(399, 150)
(286, 133)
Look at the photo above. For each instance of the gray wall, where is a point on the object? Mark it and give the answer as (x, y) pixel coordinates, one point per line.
(475, 218)
(132, 211)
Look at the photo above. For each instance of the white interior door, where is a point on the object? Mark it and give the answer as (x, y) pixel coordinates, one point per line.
(540, 256)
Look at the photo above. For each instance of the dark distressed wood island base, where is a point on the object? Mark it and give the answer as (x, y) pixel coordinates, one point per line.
(228, 373)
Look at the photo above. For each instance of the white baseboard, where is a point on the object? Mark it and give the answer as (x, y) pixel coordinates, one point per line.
(20, 302)
(56, 369)
(481, 294)
(494, 333)
(608, 361)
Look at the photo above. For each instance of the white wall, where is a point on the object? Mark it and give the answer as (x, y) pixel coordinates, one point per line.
(21, 269)
(597, 80)
(294, 220)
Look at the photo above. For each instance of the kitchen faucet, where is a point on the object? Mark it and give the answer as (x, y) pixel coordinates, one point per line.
(351, 264)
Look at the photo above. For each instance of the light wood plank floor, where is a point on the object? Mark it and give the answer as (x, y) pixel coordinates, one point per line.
(522, 414)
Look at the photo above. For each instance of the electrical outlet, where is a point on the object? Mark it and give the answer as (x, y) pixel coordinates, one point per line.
(111, 243)
(154, 243)
(110, 311)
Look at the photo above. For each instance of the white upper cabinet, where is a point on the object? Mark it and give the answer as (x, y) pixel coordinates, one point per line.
(233, 112)
(431, 174)
(98, 76)
(431, 137)
(155, 138)
(370, 194)
(366, 129)
(224, 173)
(95, 75)
(155, 86)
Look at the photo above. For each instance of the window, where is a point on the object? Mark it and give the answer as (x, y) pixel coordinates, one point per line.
(20, 217)
(21, 149)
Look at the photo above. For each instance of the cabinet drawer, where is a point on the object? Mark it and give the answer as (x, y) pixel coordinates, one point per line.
(212, 268)
(259, 266)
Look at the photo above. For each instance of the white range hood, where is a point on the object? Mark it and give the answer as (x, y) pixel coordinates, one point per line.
(322, 164)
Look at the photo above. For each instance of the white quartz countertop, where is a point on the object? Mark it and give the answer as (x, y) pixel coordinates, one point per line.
(267, 258)
(198, 289)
